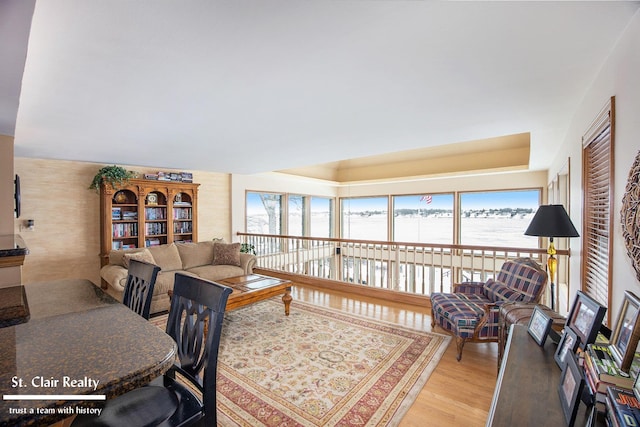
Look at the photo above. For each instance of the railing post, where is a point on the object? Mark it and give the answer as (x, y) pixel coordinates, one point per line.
(396, 267)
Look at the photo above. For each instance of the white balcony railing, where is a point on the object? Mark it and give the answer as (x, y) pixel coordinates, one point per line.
(414, 268)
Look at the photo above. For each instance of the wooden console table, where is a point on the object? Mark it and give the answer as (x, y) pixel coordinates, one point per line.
(527, 389)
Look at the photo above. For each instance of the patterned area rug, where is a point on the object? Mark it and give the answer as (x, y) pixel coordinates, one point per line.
(318, 367)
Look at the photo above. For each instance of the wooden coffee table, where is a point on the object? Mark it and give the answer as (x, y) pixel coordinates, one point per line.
(256, 287)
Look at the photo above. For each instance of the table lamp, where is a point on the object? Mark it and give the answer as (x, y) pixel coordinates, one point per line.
(551, 221)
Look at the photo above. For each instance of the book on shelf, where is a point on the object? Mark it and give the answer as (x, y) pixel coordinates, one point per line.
(604, 365)
(152, 242)
(116, 214)
(623, 409)
(183, 241)
(129, 215)
(153, 214)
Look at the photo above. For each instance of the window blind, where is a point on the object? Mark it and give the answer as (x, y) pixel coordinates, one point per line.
(597, 210)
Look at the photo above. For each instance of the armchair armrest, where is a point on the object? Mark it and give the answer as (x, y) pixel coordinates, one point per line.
(491, 314)
(469, 288)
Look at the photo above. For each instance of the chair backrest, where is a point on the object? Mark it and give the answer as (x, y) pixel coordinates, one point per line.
(138, 291)
(196, 302)
(525, 276)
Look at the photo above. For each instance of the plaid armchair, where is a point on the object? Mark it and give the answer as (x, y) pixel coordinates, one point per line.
(471, 312)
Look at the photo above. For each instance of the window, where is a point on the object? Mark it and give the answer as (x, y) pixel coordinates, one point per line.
(264, 213)
(322, 215)
(597, 172)
(423, 218)
(305, 215)
(296, 222)
(310, 216)
(498, 218)
(364, 218)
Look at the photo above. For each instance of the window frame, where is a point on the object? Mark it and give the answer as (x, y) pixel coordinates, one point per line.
(598, 159)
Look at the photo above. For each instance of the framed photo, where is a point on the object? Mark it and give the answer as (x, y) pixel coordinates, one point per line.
(626, 333)
(539, 325)
(585, 318)
(570, 389)
(152, 199)
(566, 348)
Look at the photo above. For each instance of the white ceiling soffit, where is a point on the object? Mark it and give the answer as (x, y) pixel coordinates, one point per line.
(250, 86)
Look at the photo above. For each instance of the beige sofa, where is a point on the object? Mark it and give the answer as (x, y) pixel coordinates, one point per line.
(208, 260)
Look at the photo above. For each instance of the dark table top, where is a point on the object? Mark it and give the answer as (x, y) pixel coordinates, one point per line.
(12, 245)
(526, 392)
(76, 333)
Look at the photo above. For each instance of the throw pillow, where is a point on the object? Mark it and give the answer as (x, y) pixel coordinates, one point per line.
(143, 255)
(226, 254)
(195, 254)
(497, 291)
(167, 257)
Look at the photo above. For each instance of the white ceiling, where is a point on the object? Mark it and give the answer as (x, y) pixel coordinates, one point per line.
(245, 86)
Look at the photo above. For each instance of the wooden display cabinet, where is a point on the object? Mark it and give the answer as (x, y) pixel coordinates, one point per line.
(147, 213)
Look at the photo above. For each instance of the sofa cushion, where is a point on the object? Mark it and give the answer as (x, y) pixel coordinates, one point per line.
(164, 282)
(217, 272)
(195, 254)
(143, 255)
(167, 257)
(496, 291)
(226, 254)
(116, 256)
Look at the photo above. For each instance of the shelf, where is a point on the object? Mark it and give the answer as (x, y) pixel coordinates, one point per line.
(171, 201)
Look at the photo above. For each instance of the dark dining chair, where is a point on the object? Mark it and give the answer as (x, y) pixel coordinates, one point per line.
(195, 323)
(138, 291)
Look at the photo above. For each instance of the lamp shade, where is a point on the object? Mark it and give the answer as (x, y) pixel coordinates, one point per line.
(551, 221)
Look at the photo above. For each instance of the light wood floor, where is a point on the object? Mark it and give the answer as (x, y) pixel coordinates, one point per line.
(457, 393)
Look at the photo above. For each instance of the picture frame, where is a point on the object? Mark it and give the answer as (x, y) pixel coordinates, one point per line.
(567, 347)
(152, 199)
(626, 332)
(570, 389)
(585, 318)
(539, 326)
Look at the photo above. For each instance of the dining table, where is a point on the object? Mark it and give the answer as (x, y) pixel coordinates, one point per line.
(78, 348)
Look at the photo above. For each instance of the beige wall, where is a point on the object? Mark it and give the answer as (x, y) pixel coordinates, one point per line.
(618, 77)
(6, 185)
(65, 242)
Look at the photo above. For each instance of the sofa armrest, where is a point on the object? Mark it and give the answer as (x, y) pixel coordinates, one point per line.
(115, 276)
(247, 262)
(469, 288)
